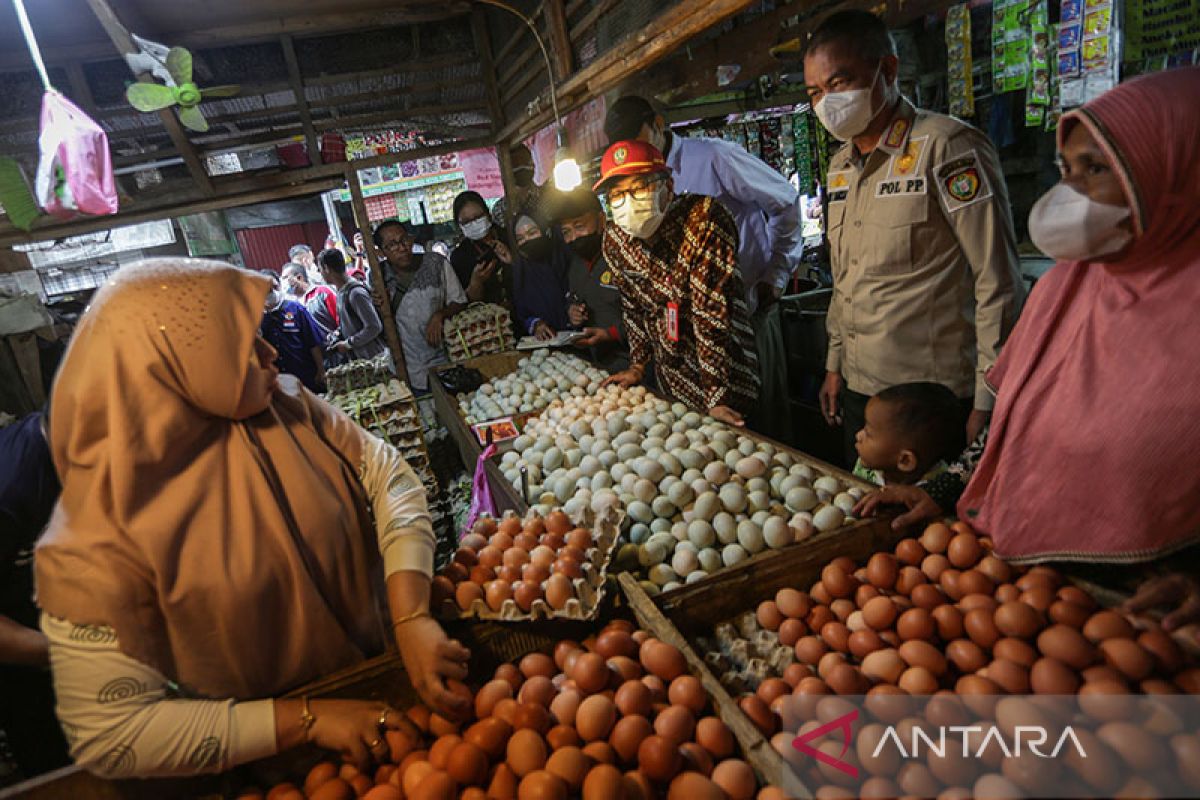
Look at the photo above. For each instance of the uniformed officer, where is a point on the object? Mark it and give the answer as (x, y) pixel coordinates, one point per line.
(925, 270)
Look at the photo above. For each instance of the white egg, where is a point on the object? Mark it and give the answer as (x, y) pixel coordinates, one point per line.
(828, 518)
(733, 554)
(750, 537)
(776, 533)
(710, 560)
(662, 574)
(802, 526)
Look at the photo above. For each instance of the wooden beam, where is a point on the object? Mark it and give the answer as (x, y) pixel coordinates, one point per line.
(590, 18)
(515, 39)
(483, 49)
(297, 83)
(636, 52)
(378, 289)
(164, 210)
(125, 45)
(80, 91)
(398, 115)
(560, 42)
(433, 62)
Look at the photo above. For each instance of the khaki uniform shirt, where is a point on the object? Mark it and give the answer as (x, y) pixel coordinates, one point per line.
(925, 269)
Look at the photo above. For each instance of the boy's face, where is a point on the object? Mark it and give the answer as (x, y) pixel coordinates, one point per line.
(879, 444)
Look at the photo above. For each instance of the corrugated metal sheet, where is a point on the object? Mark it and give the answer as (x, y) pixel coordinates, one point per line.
(267, 248)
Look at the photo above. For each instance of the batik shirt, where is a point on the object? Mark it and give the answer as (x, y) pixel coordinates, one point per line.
(684, 305)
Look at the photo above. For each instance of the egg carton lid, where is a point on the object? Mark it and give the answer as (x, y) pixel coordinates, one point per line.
(590, 590)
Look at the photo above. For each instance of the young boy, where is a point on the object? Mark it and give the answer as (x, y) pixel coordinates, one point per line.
(911, 431)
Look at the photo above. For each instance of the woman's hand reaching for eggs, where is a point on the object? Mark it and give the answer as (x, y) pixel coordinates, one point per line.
(431, 659)
(1177, 590)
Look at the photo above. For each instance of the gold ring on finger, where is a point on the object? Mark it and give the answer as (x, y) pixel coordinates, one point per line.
(383, 715)
(374, 744)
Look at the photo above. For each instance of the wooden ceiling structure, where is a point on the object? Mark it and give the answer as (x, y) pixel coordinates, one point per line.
(450, 74)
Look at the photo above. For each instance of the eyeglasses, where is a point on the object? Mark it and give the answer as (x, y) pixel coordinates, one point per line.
(392, 244)
(638, 191)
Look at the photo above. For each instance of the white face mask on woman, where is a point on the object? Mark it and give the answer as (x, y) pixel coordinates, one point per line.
(847, 114)
(477, 229)
(1070, 226)
(641, 218)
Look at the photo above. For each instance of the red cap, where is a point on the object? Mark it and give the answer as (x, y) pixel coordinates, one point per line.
(629, 157)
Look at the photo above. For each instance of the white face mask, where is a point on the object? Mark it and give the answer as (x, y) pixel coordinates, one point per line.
(641, 218)
(1070, 226)
(477, 229)
(847, 114)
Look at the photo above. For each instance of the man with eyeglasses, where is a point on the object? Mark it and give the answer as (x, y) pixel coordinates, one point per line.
(425, 293)
(674, 261)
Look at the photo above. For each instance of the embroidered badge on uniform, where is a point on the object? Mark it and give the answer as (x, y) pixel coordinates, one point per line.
(896, 133)
(962, 182)
(908, 162)
(620, 155)
(838, 185)
(606, 277)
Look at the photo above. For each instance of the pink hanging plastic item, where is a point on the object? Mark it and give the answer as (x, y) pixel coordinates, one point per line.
(481, 494)
(75, 174)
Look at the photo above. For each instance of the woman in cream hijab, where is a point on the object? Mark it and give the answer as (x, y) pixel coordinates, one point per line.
(212, 548)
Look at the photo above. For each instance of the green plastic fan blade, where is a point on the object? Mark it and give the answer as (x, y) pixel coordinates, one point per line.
(191, 117)
(149, 96)
(179, 64)
(220, 91)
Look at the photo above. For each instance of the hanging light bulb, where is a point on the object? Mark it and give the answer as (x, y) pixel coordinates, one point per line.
(567, 175)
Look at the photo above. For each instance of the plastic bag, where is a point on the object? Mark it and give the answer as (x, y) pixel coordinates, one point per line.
(75, 174)
(481, 493)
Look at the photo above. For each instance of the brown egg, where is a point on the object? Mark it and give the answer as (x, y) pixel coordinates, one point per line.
(603, 782)
(811, 685)
(1006, 593)
(600, 752)
(628, 734)
(995, 569)
(828, 662)
(949, 583)
(467, 593)
(567, 568)
(561, 736)
(559, 590)
(1018, 620)
(526, 752)
(542, 785)
(916, 623)
(927, 596)
(842, 608)
(879, 613)
(595, 718)
(918, 681)
(792, 603)
(436, 785)
(1127, 657)
(909, 579)
(972, 601)
(736, 779)
(759, 714)
(555, 522)
(933, 565)
(320, 775)
(496, 592)
(976, 684)
(980, 626)
(964, 551)
(1050, 676)
(1009, 676)
(579, 538)
(948, 622)
(1188, 680)
(1167, 655)
(694, 786)
(1102, 673)
(590, 673)
(509, 526)
(966, 656)
(503, 785)
(1067, 645)
(675, 722)
(884, 666)
(1077, 596)
(863, 642)
(882, 570)
(509, 574)
(489, 556)
(1068, 613)
(555, 541)
(571, 766)
(696, 759)
(657, 687)
(972, 581)
(767, 691)
(818, 617)
(523, 542)
(539, 689)
(769, 616)
(658, 758)
(837, 636)
(664, 660)
(790, 632)
(441, 591)
(616, 643)
(1039, 596)
(909, 552)
(920, 653)
(439, 753)
(468, 765)
(936, 537)
(837, 581)
(531, 715)
(714, 736)
(847, 679)
(1107, 625)
(1015, 650)
(686, 691)
(490, 735)
(864, 594)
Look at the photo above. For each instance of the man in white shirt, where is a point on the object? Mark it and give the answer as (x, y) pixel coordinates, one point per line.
(768, 215)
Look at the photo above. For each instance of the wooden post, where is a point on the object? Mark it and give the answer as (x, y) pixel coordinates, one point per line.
(386, 313)
(483, 49)
(125, 46)
(297, 83)
(560, 40)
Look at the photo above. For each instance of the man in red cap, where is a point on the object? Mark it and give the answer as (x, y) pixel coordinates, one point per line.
(674, 260)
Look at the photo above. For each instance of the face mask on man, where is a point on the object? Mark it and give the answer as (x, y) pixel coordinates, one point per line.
(641, 218)
(536, 249)
(477, 229)
(847, 114)
(1070, 226)
(587, 246)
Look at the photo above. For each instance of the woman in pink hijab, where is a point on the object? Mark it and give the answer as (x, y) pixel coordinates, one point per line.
(1089, 455)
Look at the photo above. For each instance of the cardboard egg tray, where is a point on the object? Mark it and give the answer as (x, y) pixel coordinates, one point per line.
(589, 590)
(481, 329)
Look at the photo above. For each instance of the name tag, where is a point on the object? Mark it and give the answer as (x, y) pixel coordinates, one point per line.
(901, 187)
(673, 321)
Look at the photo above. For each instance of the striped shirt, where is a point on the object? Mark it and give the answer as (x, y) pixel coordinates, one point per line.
(689, 268)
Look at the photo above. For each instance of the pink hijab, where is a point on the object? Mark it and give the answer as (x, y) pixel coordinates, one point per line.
(1095, 437)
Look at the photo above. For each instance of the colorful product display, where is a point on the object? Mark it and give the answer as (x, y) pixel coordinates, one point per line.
(958, 61)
